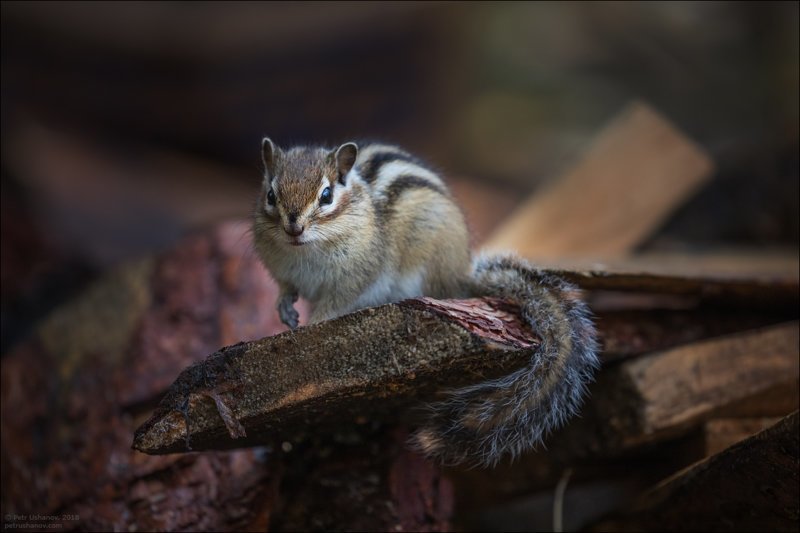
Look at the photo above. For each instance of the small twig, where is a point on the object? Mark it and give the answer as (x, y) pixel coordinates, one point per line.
(558, 501)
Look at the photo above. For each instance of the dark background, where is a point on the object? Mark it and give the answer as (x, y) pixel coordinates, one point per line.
(124, 125)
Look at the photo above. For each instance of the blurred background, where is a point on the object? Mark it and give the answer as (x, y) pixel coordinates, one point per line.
(126, 124)
(126, 127)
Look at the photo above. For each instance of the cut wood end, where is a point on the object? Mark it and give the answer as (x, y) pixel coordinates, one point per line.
(664, 394)
(490, 318)
(150, 438)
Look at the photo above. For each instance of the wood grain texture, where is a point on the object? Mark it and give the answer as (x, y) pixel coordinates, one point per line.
(683, 383)
(665, 394)
(635, 174)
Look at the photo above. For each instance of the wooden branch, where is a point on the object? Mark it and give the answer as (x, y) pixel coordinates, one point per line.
(751, 486)
(777, 401)
(248, 393)
(660, 395)
(635, 174)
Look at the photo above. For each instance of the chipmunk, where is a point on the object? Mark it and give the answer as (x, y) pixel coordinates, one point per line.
(360, 226)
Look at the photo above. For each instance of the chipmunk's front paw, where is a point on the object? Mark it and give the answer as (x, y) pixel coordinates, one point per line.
(287, 312)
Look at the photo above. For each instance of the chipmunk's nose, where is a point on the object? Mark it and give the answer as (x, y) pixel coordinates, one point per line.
(294, 229)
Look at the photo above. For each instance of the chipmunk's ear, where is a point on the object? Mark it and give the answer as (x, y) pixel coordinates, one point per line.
(268, 155)
(345, 159)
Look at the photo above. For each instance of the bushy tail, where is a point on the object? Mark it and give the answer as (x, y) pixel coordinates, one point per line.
(482, 423)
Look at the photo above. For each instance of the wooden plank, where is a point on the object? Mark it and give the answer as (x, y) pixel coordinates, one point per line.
(628, 333)
(721, 264)
(664, 394)
(681, 384)
(635, 174)
(722, 433)
(770, 278)
(767, 292)
(751, 486)
(777, 401)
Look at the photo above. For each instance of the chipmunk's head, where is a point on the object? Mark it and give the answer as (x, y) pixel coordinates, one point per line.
(305, 190)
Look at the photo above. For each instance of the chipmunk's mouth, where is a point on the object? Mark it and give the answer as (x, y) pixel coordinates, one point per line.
(295, 242)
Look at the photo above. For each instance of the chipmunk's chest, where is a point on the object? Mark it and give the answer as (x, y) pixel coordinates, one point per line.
(392, 286)
(312, 274)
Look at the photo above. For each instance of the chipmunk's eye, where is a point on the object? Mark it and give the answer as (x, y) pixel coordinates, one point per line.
(326, 197)
(271, 197)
